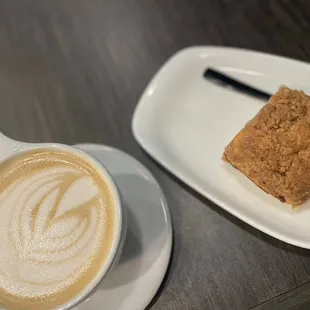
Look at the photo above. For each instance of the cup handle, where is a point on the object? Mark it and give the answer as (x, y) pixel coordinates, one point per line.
(9, 146)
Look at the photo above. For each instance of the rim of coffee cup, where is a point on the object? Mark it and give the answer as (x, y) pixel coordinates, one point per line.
(11, 148)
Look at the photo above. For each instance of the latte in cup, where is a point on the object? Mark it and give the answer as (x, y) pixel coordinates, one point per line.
(57, 224)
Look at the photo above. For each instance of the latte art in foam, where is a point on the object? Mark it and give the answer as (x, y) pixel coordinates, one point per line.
(57, 225)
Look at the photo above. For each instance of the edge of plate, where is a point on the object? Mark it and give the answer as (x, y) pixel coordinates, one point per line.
(149, 149)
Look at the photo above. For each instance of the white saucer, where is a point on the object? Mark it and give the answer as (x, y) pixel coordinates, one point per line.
(134, 282)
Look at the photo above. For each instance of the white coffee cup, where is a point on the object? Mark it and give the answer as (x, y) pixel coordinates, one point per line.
(9, 148)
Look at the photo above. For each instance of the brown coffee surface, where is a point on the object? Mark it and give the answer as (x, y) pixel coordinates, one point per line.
(57, 218)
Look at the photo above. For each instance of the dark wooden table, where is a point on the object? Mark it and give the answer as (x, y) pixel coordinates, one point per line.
(72, 71)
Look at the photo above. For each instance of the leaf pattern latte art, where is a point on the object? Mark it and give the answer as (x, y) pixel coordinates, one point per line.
(56, 231)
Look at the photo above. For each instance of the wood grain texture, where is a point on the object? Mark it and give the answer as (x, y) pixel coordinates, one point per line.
(296, 299)
(72, 71)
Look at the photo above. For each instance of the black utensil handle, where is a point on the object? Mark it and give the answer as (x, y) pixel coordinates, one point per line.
(226, 81)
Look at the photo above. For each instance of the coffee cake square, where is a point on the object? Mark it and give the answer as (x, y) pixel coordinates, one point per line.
(273, 149)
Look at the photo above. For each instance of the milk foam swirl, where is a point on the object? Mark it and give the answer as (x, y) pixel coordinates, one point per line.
(54, 228)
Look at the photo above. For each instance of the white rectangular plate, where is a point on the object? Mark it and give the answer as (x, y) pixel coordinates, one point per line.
(185, 122)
